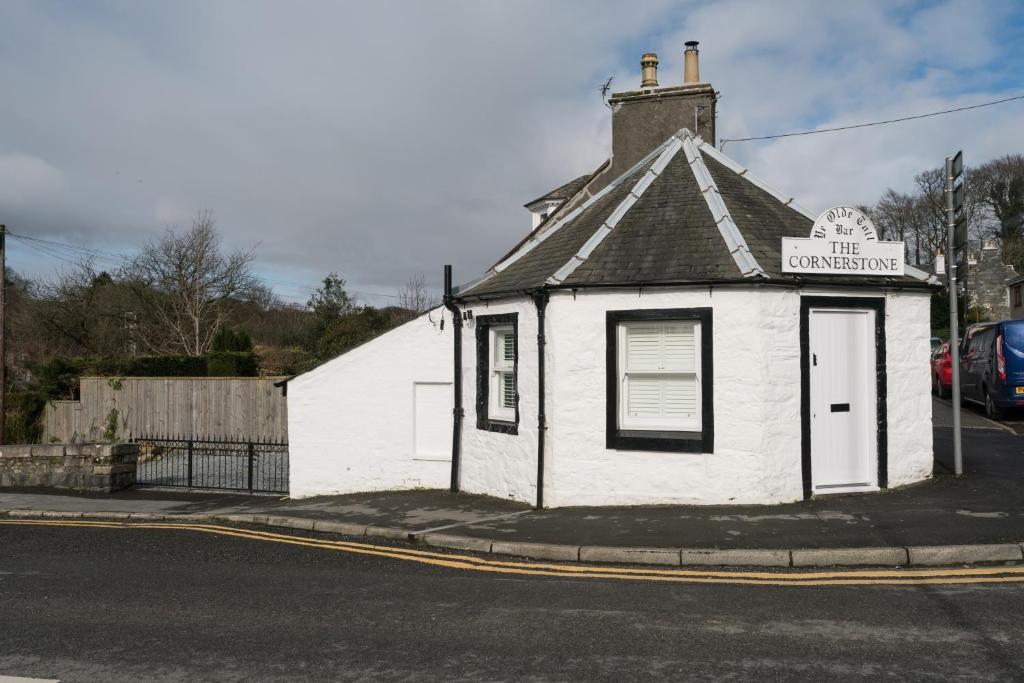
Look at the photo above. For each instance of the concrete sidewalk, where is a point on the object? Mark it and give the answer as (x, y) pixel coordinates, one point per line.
(984, 509)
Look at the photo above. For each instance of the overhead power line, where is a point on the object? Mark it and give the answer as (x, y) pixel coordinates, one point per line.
(872, 123)
(62, 250)
(45, 251)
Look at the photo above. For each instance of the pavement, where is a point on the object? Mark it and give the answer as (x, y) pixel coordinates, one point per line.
(947, 520)
(972, 417)
(137, 604)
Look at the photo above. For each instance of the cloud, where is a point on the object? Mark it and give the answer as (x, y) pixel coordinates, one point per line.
(27, 181)
(384, 139)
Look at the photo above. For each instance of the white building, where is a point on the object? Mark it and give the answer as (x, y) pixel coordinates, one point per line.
(643, 344)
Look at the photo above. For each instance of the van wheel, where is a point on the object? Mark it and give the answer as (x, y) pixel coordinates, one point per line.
(992, 411)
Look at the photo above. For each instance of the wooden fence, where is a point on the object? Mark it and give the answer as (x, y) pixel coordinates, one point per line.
(251, 408)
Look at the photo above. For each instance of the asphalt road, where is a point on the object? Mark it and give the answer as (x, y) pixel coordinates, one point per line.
(85, 604)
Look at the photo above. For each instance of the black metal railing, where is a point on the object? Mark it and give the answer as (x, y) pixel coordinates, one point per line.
(212, 463)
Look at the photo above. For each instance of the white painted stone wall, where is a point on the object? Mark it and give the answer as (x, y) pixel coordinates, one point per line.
(496, 464)
(909, 406)
(350, 420)
(756, 393)
(756, 355)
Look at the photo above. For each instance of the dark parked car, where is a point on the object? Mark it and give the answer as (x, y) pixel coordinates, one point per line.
(992, 366)
(942, 371)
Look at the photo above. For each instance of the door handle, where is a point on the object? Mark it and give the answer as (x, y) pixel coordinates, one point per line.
(815, 359)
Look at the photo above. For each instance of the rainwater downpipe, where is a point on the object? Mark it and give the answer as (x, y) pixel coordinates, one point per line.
(457, 413)
(540, 299)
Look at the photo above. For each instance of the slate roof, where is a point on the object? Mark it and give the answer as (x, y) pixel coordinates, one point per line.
(564, 192)
(685, 213)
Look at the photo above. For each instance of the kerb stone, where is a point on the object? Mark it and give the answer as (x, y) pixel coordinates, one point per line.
(735, 558)
(964, 554)
(480, 545)
(630, 555)
(344, 528)
(540, 551)
(850, 557)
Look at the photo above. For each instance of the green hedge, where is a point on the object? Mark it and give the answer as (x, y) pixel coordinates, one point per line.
(164, 366)
(232, 364)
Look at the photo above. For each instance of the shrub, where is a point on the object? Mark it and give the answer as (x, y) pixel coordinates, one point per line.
(232, 364)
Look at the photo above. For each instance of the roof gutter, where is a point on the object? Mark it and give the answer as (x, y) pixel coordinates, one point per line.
(796, 283)
(457, 412)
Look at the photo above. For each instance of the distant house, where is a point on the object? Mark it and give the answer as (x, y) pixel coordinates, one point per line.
(993, 287)
(1015, 295)
(645, 343)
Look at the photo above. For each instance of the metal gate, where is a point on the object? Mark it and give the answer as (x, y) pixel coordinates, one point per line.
(235, 465)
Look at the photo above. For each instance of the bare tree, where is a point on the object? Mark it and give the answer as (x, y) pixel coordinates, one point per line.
(895, 214)
(415, 296)
(186, 288)
(999, 186)
(919, 218)
(79, 311)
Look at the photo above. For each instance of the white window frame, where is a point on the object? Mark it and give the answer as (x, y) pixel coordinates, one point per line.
(634, 423)
(499, 367)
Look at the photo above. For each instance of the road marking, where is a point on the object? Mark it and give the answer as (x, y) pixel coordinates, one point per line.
(861, 577)
(472, 521)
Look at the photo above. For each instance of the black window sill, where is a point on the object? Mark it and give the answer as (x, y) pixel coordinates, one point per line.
(499, 426)
(659, 441)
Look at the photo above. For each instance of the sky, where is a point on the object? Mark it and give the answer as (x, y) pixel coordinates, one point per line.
(384, 139)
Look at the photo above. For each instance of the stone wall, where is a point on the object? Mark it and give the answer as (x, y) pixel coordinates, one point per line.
(84, 467)
(987, 278)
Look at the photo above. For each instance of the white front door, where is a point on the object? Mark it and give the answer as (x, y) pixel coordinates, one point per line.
(844, 405)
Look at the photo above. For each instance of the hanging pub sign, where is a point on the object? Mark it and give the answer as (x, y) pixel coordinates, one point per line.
(843, 241)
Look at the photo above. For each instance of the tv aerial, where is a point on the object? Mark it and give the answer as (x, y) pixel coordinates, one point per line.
(605, 88)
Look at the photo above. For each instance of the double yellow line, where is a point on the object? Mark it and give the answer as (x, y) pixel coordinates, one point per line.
(913, 577)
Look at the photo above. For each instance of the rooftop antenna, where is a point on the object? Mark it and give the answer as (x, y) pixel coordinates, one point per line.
(604, 91)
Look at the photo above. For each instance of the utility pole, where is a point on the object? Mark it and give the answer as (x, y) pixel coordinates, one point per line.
(3, 330)
(956, 239)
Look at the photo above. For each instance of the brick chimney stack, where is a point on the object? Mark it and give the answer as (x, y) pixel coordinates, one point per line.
(643, 119)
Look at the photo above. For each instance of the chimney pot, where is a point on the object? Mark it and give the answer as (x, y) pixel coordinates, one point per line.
(691, 62)
(649, 70)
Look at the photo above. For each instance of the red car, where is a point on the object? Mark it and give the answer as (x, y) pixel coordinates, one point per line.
(942, 371)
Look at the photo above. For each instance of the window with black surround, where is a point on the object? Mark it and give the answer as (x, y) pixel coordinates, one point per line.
(659, 380)
(497, 373)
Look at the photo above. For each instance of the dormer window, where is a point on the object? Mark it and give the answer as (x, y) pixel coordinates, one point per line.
(541, 210)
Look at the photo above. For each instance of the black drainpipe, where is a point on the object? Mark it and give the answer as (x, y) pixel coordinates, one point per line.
(540, 299)
(449, 303)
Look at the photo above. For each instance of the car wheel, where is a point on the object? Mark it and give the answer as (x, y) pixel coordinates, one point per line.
(935, 385)
(992, 411)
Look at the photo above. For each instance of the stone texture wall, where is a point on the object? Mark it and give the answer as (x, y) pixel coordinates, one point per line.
(987, 278)
(83, 467)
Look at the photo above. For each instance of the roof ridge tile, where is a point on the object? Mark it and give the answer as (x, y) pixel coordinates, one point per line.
(671, 148)
(730, 232)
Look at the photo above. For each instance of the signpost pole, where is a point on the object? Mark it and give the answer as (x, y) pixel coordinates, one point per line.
(954, 332)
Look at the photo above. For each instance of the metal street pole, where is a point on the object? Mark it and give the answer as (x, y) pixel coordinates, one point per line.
(3, 327)
(954, 331)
